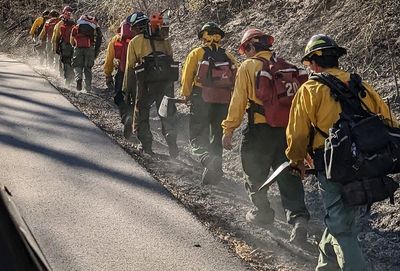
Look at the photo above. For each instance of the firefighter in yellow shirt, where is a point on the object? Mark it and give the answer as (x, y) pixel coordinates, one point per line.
(46, 35)
(263, 146)
(61, 43)
(116, 60)
(207, 112)
(149, 89)
(314, 106)
(36, 28)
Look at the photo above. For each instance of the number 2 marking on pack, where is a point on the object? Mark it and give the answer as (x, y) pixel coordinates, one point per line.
(291, 88)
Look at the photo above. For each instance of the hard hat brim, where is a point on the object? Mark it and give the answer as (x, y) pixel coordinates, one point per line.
(271, 41)
(340, 51)
(218, 31)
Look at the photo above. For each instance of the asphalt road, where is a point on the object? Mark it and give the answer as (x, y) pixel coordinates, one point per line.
(88, 203)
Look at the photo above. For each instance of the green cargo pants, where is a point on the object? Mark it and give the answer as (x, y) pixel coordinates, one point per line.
(147, 94)
(66, 53)
(263, 148)
(205, 131)
(82, 62)
(339, 248)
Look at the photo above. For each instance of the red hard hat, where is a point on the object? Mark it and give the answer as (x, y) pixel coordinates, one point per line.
(251, 34)
(67, 9)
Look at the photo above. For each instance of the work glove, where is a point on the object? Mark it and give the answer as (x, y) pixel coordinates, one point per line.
(227, 141)
(298, 169)
(110, 82)
(185, 100)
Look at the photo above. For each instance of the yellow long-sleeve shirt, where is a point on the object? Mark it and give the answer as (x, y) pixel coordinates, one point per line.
(36, 24)
(314, 105)
(245, 91)
(190, 67)
(110, 55)
(55, 39)
(42, 35)
(138, 48)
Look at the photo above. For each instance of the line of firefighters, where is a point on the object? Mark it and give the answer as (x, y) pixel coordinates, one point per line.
(69, 46)
(288, 113)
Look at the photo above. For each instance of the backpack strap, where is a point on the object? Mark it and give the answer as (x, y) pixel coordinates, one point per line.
(153, 48)
(348, 96)
(265, 62)
(265, 67)
(254, 107)
(213, 54)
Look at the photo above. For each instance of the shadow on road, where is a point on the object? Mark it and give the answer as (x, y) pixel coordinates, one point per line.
(25, 89)
(74, 161)
(26, 99)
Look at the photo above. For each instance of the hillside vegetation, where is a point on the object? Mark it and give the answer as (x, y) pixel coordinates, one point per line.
(369, 29)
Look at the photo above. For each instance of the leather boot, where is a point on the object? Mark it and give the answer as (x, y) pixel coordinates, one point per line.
(172, 146)
(260, 217)
(212, 173)
(299, 232)
(79, 84)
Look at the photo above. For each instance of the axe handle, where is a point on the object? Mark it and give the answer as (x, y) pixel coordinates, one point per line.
(176, 100)
(311, 171)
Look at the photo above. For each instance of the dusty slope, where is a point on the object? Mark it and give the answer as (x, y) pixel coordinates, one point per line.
(364, 27)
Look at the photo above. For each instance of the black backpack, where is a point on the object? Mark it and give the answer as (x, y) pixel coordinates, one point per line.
(360, 149)
(157, 67)
(87, 31)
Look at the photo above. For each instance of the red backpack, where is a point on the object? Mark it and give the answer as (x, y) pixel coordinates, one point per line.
(83, 35)
(216, 73)
(66, 29)
(276, 84)
(49, 27)
(120, 49)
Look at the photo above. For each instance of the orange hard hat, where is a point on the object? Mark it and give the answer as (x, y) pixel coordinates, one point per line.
(251, 34)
